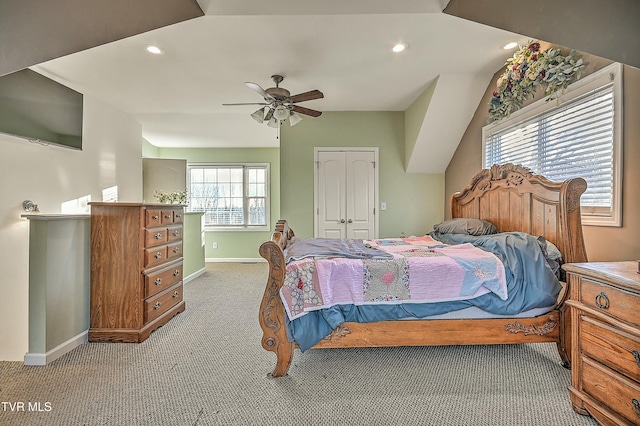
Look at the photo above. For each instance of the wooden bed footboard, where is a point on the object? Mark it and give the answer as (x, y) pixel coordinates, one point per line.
(509, 196)
(272, 313)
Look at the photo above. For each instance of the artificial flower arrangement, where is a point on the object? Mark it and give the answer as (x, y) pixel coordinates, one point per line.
(176, 197)
(528, 68)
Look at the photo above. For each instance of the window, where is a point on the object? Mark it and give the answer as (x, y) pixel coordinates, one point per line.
(578, 134)
(231, 195)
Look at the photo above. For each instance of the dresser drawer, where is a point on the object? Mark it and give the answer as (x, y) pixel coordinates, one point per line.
(158, 281)
(167, 216)
(178, 216)
(610, 301)
(611, 390)
(155, 256)
(153, 218)
(174, 233)
(162, 302)
(174, 250)
(155, 237)
(615, 348)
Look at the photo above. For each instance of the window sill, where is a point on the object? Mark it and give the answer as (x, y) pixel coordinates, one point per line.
(236, 229)
(601, 221)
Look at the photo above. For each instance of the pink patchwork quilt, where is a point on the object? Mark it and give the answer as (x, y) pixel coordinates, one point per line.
(419, 270)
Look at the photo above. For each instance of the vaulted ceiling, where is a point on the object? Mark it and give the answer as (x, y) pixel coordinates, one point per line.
(340, 48)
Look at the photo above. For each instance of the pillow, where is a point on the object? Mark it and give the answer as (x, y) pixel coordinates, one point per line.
(553, 252)
(467, 226)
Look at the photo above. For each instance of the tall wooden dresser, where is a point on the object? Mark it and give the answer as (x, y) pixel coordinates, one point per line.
(136, 269)
(605, 313)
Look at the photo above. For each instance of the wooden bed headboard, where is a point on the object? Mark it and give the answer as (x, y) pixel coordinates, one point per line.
(514, 199)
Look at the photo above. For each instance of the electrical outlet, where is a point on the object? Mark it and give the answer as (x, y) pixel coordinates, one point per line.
(215, 245)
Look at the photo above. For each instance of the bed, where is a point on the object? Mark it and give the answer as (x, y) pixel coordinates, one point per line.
(508, 196)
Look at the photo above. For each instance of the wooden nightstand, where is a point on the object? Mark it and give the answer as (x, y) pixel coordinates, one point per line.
(605, 314)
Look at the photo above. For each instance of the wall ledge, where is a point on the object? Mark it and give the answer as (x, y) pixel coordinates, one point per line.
(59, 216)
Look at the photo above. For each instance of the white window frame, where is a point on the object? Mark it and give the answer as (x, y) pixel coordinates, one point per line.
(246, 166)
(578, 89)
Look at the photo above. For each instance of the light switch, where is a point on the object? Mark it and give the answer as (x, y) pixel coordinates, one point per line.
(383, 206)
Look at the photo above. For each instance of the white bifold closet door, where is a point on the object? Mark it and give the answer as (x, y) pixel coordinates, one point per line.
(346, 194)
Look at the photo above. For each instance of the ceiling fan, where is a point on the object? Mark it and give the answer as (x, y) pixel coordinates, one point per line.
(279, 105)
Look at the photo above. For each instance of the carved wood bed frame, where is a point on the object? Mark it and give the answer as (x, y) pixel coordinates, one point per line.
(510, 197)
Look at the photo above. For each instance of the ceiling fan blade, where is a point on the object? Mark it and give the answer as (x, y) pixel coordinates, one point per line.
(306, 96)
(247, 103)
(306, 111)
(259, 89)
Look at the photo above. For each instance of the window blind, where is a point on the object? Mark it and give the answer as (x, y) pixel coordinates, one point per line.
(574, 139)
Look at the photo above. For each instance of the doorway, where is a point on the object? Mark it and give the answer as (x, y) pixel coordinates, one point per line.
(346, 193)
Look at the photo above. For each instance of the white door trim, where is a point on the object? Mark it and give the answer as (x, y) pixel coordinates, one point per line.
(375, 150)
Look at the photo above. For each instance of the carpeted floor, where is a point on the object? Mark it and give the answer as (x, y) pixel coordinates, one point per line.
(207, 367)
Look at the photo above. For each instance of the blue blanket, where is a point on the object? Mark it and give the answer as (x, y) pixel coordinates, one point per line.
(530, 283)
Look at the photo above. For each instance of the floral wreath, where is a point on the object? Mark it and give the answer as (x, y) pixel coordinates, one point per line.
(529, 68)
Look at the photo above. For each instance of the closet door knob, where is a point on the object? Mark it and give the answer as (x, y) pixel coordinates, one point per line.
(350, 221)
(342, 220)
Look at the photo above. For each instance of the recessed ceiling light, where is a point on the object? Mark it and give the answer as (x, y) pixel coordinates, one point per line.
(510, 45)
(155, 50)
(399, 47)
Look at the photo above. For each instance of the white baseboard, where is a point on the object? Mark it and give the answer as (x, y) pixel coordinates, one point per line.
(193, 276)
(235, 259)
(55, 353)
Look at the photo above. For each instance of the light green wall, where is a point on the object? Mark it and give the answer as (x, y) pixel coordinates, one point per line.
(59, 264)
(235, 245)
(413, 119)
(148, 150)
(414, 200)
(193, 244)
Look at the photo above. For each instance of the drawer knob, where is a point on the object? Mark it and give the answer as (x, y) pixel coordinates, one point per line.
(178, 216)
(175, 294)
(636, 355)
(176, 233)
(636, 406)
(154, 217)
(176, 249)
(158, 281)
(158, 236)
(167, 216)
(158, 255)
(156, 306)
(602, 301)
(176, 272)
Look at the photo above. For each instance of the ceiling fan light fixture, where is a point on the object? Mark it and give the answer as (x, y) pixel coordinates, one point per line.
(274, 122)
(258, 115)
(281, 112)
(294, 119)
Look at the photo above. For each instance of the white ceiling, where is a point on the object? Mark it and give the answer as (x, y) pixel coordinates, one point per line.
(342, 48)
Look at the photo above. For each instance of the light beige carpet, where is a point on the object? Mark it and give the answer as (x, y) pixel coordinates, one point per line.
(207, 367)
